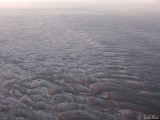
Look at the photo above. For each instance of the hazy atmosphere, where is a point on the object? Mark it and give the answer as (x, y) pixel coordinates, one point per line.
(79, 59)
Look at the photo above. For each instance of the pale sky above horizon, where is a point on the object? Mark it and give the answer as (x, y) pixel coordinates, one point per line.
(70, 0)
(63, 3)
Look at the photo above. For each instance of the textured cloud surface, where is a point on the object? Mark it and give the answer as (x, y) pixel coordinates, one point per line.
(79, 61)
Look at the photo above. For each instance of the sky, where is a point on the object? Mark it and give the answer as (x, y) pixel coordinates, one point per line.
(75, 1)
(88, 3)
(69, 0)
(36, 0)
(50, 0)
